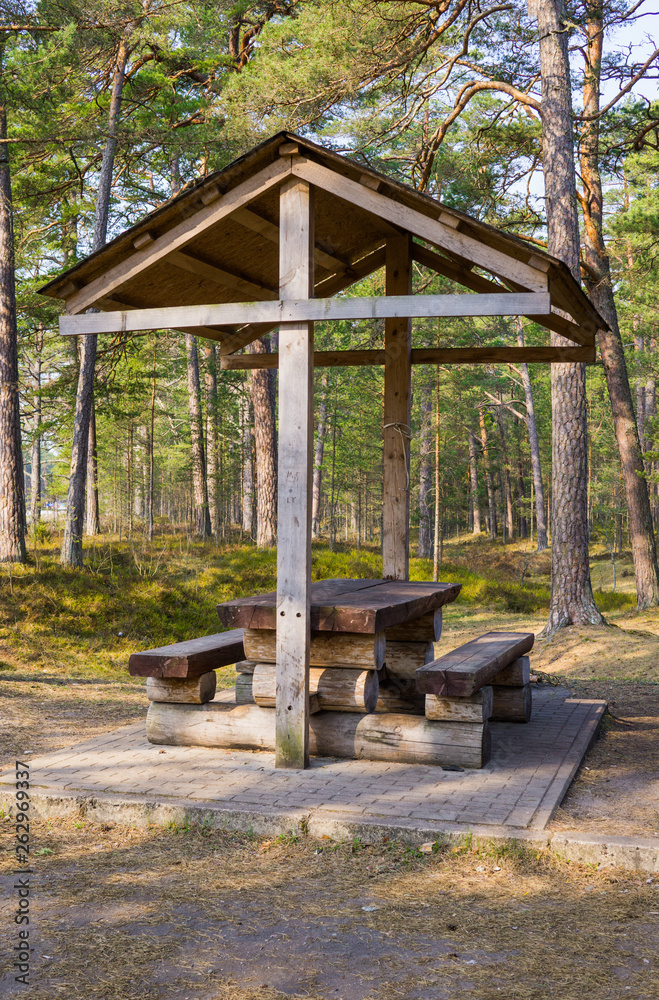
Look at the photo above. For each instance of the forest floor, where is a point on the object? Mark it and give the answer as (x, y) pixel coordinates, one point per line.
(181, 913)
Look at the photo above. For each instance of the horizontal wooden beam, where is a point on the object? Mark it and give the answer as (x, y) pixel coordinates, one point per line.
(307, 311)
(478, 283)
(423, 356)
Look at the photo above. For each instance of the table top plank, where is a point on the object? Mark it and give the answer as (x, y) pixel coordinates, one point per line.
(347, 605)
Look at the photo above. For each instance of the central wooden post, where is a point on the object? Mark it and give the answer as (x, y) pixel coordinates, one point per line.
(296, 247)
(396, 422)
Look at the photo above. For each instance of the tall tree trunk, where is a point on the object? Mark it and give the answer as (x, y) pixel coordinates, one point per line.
(75, 502)
(640, 385)
(572, 600)
(473, 482)
(425, 471)
(248, 468)
(92, 507)
(613, 357)
(202, 523)
(521, 488)
(12, 483)
(439, 511)
(505, 465)
(318, 461)
(266, 451)
(152, 427)
(534, 446)
(491, 501)
(35, 450)
(212, 460)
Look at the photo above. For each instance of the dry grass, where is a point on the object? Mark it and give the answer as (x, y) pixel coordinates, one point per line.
(128, 913)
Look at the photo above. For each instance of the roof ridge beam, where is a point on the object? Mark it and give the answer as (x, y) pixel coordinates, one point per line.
(176, 238)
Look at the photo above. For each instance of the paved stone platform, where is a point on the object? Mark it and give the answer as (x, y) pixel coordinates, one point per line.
(121, 776)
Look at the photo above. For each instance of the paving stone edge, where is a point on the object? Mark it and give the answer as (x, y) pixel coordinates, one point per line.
(636, 854)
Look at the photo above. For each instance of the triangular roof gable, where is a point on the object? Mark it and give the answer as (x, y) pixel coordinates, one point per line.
(195, 233)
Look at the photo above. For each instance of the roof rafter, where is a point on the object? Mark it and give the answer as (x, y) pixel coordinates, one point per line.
(176, 238)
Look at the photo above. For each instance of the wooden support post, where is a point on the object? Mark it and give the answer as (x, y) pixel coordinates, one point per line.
(396, 422)
(296, 245)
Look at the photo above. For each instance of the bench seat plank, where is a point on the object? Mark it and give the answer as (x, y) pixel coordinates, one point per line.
(466, 669)
(191, 658)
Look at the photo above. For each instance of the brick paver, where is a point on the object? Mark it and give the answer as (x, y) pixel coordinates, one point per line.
(528, 775)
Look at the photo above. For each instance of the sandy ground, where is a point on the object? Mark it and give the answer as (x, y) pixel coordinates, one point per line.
(121, 914)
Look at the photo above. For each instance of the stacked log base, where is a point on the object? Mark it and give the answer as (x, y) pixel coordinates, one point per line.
(244, 694)
(327, 649)
(403, 658)
(425, 629)
(512, 704)
(337, 689)
(384, 737)
(398, 694)
(477, 708)
(182, 690)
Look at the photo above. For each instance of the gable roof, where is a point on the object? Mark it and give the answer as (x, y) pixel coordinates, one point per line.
(217, 242)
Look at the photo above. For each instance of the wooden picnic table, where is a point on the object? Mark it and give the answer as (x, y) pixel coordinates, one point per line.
(343, 605)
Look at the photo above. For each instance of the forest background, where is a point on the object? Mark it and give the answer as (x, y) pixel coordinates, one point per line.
(107, 110)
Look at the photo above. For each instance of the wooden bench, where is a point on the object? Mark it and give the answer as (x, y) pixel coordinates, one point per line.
(189, 659)
(468, 668)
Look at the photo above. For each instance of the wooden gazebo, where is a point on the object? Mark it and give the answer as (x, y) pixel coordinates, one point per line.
(268, 242)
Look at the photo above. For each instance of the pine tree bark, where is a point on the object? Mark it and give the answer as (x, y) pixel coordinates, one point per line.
(202, 523)
(212, 442)
(473, 483)
(505, 468)
(316, 487)
(425, 471)
(266, 452)
(75, 503)
(93, 526)
(610, 342)
(152, 427)
(491, 500)
(572, 600)
(248, 468)
(12, 485)
(534, 446)
(35, 449)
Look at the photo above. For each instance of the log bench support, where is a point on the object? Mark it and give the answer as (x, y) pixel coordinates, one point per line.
(388, 737)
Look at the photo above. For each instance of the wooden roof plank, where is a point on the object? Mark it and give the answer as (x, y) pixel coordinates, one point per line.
(177, 237)
(329, 286)
(419, 224)
(228, 279)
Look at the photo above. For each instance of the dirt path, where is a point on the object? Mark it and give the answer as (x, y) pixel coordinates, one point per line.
(159, 914)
